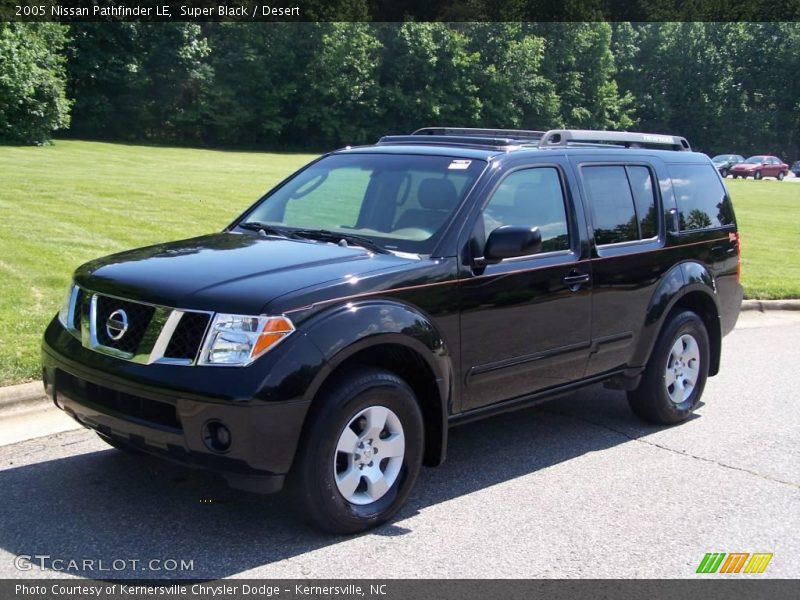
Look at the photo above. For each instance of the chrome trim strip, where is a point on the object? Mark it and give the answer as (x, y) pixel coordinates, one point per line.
(86, 318)
(160, 346)
(73, 301)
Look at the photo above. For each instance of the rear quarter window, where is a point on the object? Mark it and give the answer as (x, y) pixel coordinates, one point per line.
(702, 201)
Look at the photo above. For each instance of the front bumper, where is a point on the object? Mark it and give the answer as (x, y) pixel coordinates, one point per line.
(165, 410)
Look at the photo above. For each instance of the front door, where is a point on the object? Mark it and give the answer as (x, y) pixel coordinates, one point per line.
(525, 323)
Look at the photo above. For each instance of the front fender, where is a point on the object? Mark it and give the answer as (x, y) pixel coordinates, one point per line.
(355, 327)
(345, 330)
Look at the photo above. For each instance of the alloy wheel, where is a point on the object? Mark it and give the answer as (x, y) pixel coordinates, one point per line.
(683, 368)
(369, 455)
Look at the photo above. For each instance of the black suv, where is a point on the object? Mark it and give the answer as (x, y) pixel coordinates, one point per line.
(333, 333)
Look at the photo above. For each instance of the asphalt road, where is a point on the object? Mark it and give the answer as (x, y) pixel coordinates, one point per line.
(574, 488)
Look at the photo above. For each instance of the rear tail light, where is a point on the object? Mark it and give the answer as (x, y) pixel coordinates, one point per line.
(737, 241)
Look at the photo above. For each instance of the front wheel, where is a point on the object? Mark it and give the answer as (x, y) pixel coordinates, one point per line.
(362, 452)
(758, 175)
(676, 374)
(724, 173)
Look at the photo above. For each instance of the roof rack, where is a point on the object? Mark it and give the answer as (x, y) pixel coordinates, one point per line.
(508, 134)
(561, 138)
(452, 140)
(468, 136)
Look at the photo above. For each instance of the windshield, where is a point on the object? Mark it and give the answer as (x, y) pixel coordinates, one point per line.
(756, 160)
(400, 202)
(724, 158)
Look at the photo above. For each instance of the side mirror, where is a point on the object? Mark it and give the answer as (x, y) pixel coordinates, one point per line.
(509, 242)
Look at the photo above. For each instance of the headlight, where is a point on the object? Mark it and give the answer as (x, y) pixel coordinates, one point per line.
(63, 312)
(237, 340)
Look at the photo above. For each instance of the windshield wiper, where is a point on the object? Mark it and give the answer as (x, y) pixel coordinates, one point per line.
(267, 229)
(326, 235)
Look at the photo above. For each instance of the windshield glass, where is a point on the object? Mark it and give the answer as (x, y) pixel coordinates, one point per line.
(723, 158)
(400, 202)
(756, 160)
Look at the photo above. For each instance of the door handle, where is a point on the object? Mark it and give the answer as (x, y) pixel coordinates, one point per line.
(722, 252)
(575, 280)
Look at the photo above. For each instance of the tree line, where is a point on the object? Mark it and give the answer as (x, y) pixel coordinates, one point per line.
(727, 87)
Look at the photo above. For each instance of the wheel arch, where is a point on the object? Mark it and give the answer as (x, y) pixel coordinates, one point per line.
(687, 286)
(395, 337)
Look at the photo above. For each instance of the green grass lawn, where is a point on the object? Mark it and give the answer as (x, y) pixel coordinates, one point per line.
(768, 214)
(64, 204)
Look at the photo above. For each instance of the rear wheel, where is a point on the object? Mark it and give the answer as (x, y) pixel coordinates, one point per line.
(676, 374)
(781, 175)
(362, 452)
(758, 175)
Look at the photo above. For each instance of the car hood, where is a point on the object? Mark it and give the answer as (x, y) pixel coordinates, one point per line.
(228, 272)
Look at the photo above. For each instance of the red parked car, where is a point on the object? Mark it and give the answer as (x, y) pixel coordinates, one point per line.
(761, 166)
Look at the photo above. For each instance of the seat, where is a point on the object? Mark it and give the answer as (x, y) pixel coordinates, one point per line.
(438, 198)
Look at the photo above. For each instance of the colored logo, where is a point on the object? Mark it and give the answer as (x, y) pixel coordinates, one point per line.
(735, 562)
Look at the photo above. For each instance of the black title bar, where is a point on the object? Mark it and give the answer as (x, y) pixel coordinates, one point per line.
(399, 10)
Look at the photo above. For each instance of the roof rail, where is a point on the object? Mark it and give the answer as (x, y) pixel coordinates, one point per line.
(453, 140)
(560, 138)
(507, 134)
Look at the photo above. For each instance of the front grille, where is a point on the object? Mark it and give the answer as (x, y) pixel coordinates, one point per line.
(138, 317)
(117, 403)
(188, 336)
(146, 333)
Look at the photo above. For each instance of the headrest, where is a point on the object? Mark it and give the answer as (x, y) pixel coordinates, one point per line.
(437, 194)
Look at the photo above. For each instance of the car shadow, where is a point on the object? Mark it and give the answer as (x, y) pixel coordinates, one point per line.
(108, 505)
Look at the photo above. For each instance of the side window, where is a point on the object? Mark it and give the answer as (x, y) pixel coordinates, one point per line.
(644, 197)
(702, 202)
(531, 198)
(623, 201)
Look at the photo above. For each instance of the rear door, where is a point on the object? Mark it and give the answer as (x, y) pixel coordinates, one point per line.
(626, 218)
(525, 322)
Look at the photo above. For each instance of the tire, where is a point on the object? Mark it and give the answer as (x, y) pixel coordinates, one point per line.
(656, 400)
(758, 175)
(120, 445)
(781, 175)
(724, 173)
(337, 494)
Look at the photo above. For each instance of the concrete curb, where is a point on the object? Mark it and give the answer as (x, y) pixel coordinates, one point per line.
(765, 305)
(25, 394)
(15, 397)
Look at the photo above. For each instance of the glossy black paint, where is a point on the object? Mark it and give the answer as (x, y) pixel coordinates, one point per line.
(472, 337)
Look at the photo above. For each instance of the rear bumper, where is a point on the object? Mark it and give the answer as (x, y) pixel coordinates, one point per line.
(172, 423)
